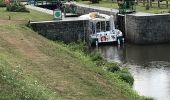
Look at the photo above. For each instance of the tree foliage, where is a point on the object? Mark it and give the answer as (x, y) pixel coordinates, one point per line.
(16, 6)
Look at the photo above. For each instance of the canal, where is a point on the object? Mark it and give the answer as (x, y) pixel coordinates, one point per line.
(150, 66)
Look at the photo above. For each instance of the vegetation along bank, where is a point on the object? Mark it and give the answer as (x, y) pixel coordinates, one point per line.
(35, 68)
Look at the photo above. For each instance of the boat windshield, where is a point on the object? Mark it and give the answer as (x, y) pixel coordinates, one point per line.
(102, 26)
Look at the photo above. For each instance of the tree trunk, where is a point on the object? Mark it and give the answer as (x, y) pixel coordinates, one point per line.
(167, 3)
(143, 2)
(137, 2)
(159, 3)
(147, 5)
(150, 1)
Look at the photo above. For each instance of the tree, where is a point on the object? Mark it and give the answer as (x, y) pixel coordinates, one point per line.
(147, 5)
(143, 2)
(162, 1)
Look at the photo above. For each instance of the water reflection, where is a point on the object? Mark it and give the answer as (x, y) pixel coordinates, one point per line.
(112, 53)
(150, 66)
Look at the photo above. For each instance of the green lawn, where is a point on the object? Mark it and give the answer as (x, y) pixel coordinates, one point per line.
(154, 9)
(107, 4)
(34, 15)
(35, 68)
(139, 7)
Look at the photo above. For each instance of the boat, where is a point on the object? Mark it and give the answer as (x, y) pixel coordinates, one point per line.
(101, 29)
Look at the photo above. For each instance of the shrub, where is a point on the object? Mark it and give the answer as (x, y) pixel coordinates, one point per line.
(94, 1)
(2, 3)
(16, 7)
(126, 76)
(96, 56)
(114, 68)
(76, 46)
(147, 7)
(148, 98)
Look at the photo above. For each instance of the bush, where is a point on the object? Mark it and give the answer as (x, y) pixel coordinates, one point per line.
(16, 7)
(94, 1)
(96, 56)
(77, 46)
(2, 3)
(114, 68)
(147, 7)
(148, 98)
(126, 76)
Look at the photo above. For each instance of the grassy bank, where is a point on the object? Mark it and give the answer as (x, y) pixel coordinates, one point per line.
(139, 8)
(35, 68)
(33, 15)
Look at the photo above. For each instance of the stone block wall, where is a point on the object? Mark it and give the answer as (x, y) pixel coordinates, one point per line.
(67, 31)
(86, 10)
(148, 29)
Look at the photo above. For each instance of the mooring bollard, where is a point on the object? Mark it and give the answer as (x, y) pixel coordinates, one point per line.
(123, 40)
(118, 41)
(96, 43)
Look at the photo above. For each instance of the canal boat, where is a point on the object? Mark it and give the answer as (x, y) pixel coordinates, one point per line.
(101, 29)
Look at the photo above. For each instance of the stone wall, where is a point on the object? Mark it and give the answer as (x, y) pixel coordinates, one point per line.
(148, 29)
(67, 31)
(86, 10)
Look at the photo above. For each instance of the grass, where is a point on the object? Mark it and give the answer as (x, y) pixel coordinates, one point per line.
(139, 8)
(154, 9)
(19, 86)
(35, 68)
(107, 4)
(33, 15)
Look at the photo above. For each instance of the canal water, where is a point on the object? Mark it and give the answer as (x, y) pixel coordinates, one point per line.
(150, 66)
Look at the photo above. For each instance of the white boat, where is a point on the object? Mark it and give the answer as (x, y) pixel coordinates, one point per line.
(102, 29)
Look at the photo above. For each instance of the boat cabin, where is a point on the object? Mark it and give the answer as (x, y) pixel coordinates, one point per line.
(101, 29)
